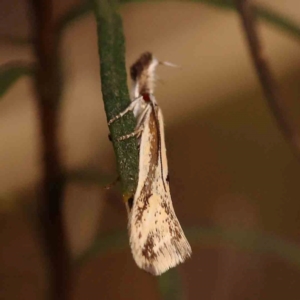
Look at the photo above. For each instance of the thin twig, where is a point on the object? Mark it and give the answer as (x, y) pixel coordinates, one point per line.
(48, 89)
(275, 101)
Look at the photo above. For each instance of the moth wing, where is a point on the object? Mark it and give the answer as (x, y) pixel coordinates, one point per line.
(156, 237)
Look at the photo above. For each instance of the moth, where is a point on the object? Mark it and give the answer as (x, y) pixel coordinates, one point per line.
(156, 238)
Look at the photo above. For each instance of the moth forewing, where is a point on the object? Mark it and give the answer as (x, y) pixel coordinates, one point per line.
(156, 237)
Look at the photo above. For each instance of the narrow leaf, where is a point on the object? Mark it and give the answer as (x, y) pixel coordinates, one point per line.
(74, 14)
(170, 285)
(10, 73)
(244, 239)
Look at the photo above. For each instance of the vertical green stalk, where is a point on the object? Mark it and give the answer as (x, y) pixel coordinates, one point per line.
(114, 90)
(170, 285)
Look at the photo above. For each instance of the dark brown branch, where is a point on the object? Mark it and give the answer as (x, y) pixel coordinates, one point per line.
(48, 93)
(275, 101)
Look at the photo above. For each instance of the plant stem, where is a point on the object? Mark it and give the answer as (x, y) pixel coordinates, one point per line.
(275, 101)
(48, 89)
(115, 92)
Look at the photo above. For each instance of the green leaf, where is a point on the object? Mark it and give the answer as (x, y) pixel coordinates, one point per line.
(266, 14)
(275, 18)
(244, 239)
(74, 14)
(10, 73)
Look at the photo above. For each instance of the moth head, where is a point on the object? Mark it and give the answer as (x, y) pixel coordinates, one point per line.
(142, 65)
(147, 63)
(142, 73)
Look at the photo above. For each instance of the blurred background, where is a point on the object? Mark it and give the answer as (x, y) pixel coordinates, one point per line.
(234, 178)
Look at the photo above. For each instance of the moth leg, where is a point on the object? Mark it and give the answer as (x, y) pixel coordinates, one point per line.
(112, 184)
(137, 133)
(129, 108)
(139, 127)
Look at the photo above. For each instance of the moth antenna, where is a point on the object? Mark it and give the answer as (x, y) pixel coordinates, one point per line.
(112, 184)
(160, 81)
(168, 64)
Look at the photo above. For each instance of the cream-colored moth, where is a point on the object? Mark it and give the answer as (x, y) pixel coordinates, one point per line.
(156, 238)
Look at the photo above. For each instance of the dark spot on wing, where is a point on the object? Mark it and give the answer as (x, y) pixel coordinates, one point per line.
(140, 210)
(168, 178)
(148, 250)
(109, 137)
(167, 209)
(175, 233)
(130, 203)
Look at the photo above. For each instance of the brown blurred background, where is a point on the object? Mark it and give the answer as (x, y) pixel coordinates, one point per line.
(230, 166)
